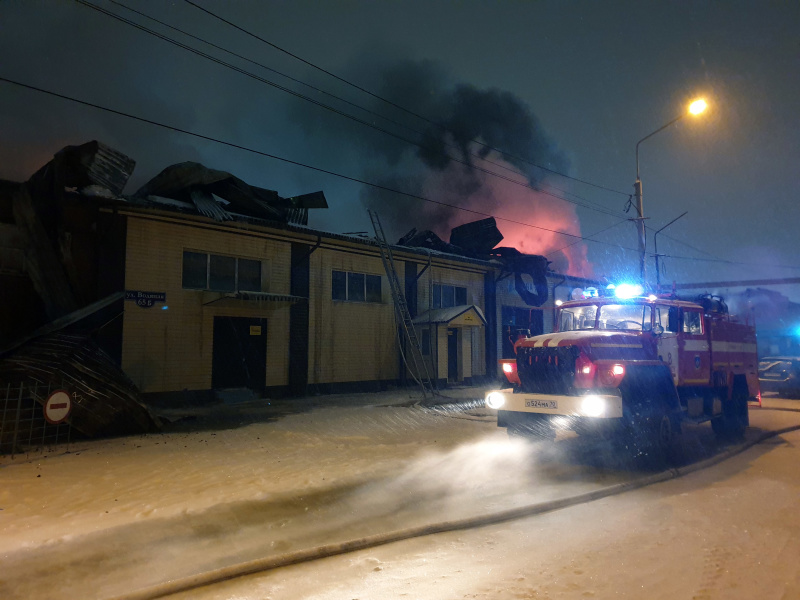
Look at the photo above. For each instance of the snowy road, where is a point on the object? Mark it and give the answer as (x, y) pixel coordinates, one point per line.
(730, 533)
(118, 515)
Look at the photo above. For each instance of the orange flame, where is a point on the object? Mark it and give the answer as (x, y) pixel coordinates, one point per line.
(514, 206)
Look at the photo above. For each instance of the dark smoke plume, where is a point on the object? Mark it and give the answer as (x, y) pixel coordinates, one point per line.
(446, 164)
(499, 120)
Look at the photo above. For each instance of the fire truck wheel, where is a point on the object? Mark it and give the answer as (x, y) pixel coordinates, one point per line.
(733, 421)
(651, 441)
(663, 433)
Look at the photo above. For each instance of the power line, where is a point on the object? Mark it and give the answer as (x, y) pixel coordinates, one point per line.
(328, 107)
(389, 102)
(729, 262)
(588, 237)
(297, 163)
(669, 237)
(329, 94)
(362, 181)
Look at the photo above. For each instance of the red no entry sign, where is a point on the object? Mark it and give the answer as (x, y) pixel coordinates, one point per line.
(57, 407)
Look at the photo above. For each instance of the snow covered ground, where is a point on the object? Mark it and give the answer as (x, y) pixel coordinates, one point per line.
(113, 516)
(729, 533)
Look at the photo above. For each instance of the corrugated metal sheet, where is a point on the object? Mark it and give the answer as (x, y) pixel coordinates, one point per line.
(251, 299)
(109, 168)
(298, 216)
(193, 182)
(206, 205)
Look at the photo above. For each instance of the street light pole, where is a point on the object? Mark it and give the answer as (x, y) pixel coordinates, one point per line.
(695, 108)
(637, 190)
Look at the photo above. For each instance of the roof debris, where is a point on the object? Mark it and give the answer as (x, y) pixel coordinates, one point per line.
(105, 401)
(192, 182)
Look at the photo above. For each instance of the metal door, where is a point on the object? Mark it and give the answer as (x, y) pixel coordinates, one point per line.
(667, 324)
(695, 355)
(452, 354)
(239, 355)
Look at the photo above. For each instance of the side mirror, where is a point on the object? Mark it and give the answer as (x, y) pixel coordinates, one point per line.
(658, 329)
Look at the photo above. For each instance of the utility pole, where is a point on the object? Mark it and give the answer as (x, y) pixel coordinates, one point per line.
(695, 108)
(655, 242)
(637, 189)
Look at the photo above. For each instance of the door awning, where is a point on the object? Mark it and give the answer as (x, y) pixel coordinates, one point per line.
(247, 299)
(455, 316)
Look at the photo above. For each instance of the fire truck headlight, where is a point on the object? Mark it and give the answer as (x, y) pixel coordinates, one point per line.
(495, 400)
(593, 406)
(508, 368)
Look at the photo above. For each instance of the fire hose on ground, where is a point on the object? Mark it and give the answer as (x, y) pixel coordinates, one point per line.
(260, 565)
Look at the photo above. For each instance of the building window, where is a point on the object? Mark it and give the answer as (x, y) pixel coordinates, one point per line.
(356, 287)
(222, 273)
(445, 296)
(373, 285)
(195, 270)
(425, 342)
(339, 285)
(356, 290)
(249, 273)
(218, 273)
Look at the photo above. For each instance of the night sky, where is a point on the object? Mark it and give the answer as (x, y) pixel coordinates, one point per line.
(570, 86)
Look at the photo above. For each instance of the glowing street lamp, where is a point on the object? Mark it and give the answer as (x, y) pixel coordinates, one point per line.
(697, 107)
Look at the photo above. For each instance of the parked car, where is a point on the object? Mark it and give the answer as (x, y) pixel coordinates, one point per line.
(780, 374)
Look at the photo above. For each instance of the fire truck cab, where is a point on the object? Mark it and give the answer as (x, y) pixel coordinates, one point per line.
(640, 365)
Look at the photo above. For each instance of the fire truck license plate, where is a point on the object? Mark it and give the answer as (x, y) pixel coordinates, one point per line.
(541, 403)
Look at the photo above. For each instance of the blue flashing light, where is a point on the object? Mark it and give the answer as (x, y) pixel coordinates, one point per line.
(164, 307)
(624, 291)
(611, 286)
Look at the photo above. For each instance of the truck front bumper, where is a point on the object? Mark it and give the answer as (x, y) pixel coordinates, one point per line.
(593, 405)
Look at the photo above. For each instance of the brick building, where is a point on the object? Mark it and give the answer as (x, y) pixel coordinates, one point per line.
(200, 282)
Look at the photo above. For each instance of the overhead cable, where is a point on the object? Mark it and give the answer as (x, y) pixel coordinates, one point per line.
(354, 179)
(389, 102)
(331, 108)
(588, 237)
(297, 163)
(335, 97)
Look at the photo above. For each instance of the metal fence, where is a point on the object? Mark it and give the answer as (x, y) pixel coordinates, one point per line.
(23, 427)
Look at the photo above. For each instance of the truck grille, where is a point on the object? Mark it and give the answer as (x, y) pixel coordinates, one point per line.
(547, 370)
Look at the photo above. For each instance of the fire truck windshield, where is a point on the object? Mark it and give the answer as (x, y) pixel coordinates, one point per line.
(627, 317)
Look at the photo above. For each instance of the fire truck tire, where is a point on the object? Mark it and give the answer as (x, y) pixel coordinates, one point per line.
(656, 445)
(652, 439)
(734, 419)
(662, 434)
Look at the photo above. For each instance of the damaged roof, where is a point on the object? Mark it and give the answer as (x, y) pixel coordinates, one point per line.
(220, 195)
(85, 166)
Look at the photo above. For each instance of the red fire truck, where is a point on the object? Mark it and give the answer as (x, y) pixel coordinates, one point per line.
(632, 364)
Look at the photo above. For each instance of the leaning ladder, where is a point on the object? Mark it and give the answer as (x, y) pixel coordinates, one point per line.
(417, 364)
